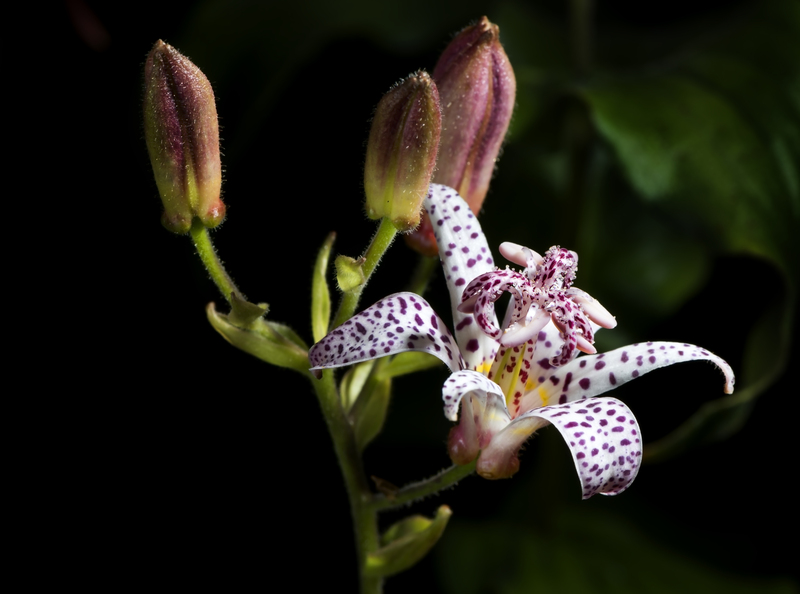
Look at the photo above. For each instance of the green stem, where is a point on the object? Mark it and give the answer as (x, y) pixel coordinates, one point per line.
(207, 253)
(439, 482)
(380, 243)
(365, 517)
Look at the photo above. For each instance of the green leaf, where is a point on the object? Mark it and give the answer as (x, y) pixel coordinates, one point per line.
(406, 542)
(369, 412)
(353, 382)
(274, 343)
(243, 313)
(408, 362)
(320, 294)
(580, 552)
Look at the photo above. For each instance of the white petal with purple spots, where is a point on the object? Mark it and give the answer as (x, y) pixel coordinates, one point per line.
(590, 375)
(465, 382)
(398, 323)
(464, 254)
(603, 437)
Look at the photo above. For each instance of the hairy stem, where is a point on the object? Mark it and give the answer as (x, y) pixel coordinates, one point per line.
(424, 488)
(380, 243)
(208, 255)
(365, 518)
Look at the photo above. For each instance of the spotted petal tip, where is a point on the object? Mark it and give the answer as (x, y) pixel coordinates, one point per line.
(398, 323)
(604, 439)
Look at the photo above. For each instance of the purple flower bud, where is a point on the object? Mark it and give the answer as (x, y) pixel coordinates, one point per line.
(477, 89)
(401, 151)
(182, 134)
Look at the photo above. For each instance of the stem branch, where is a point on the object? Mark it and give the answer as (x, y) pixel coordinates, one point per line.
(430, 486)
(380, 243)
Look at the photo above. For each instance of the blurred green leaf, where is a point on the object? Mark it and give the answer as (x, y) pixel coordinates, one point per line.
(713, 137)
(406, 542)
(581, 552)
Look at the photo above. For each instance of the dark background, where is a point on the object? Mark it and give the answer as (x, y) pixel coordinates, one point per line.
(187, 463)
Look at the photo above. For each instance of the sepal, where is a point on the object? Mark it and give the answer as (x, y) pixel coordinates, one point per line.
(406, 542)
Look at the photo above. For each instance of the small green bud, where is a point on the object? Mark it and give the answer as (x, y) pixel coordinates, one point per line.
(349, 273)
(401, 151)
(477, 89)
(182, 134)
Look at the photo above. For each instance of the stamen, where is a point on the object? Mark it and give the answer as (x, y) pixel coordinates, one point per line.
(512, 387)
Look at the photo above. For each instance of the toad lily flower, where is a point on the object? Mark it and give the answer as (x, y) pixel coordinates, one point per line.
(510, 381)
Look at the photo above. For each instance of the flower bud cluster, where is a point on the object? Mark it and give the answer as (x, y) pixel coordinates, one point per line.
(477, 89)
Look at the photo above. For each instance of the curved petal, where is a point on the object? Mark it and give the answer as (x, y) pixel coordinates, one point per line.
(459, 384)
(464, 254)
(483, 414)
(398, 323)
(603, 437)
(524, 256)
(595, 374)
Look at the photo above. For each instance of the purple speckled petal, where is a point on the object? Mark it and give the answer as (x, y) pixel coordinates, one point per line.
(398, 323)
(481, 293)
(464, 254)
(603, 437)
(461, 383)
(591, 375)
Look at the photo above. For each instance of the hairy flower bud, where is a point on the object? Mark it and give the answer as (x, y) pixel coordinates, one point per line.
(477, 90)
(401, 151)
(182, 134)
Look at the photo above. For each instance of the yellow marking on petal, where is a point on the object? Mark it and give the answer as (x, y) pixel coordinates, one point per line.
(529, 385)
(520, 430)
(544, 395)
(484, 367)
